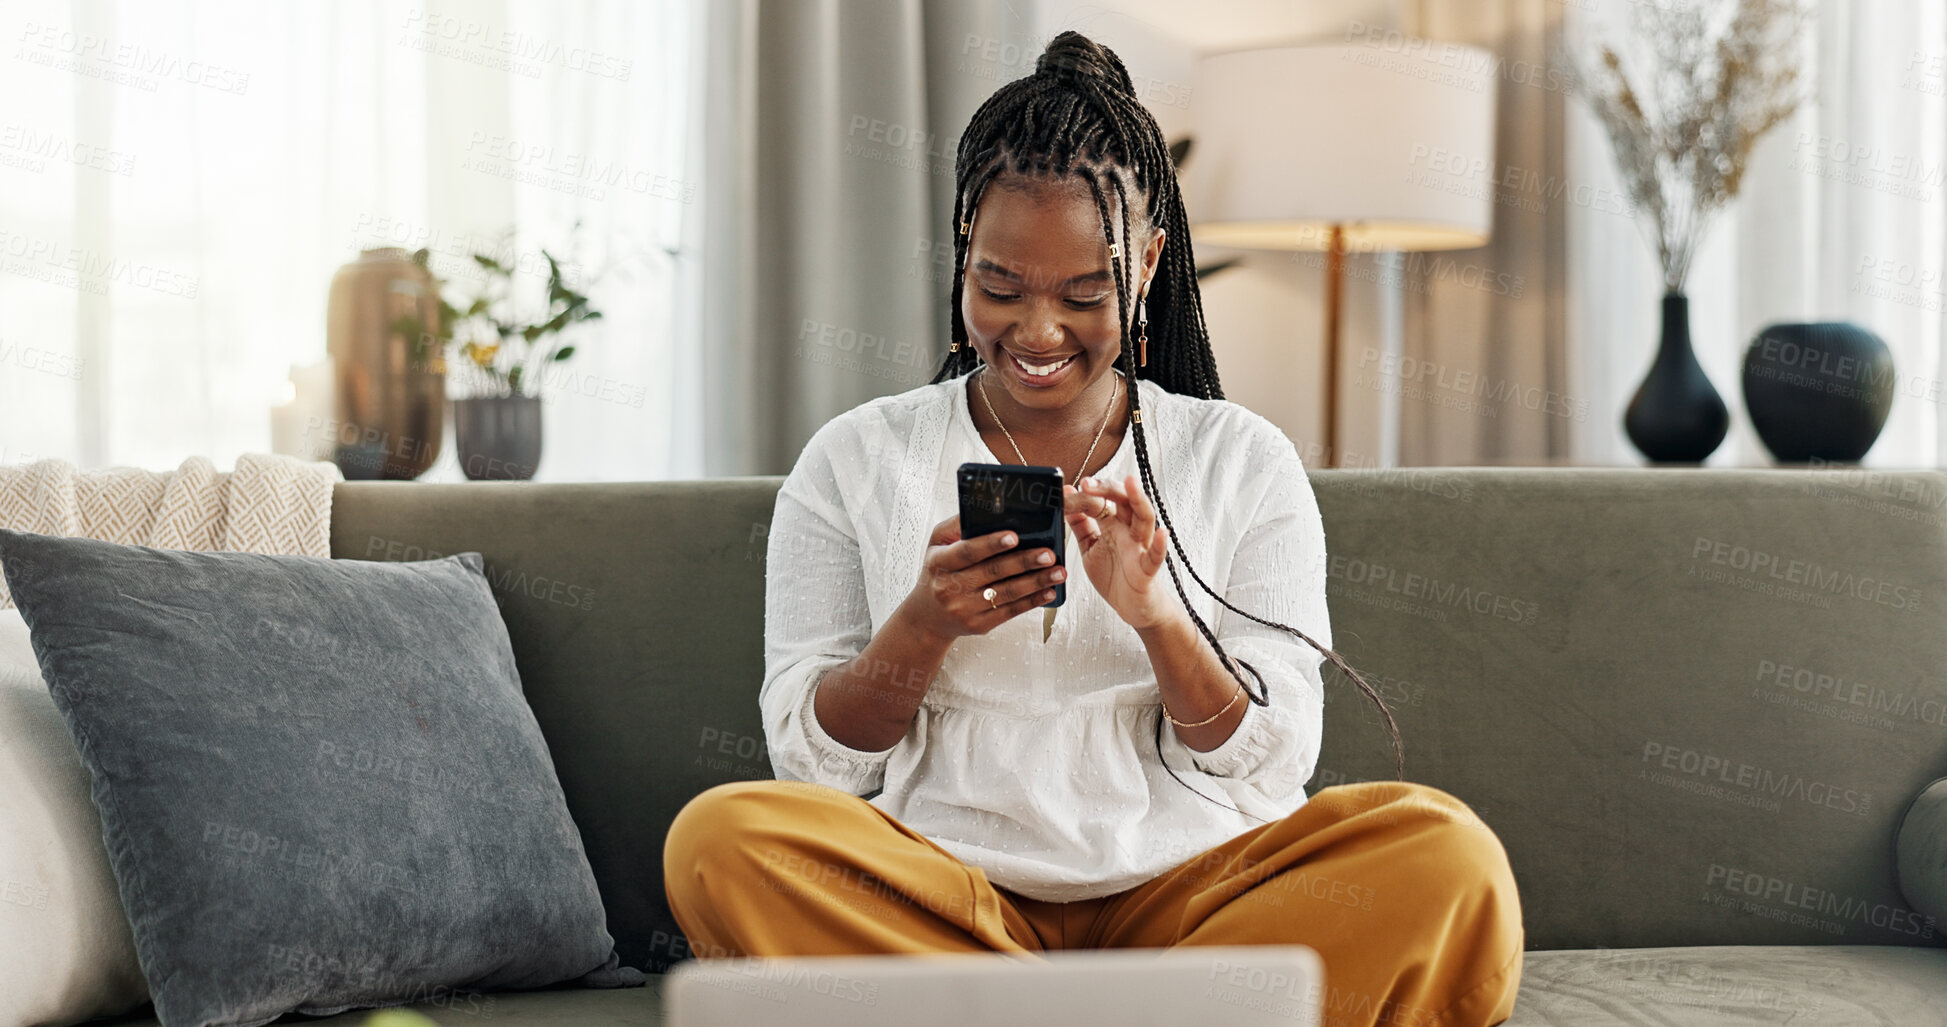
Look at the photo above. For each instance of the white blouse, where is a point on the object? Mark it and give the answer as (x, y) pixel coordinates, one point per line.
(1032, 758)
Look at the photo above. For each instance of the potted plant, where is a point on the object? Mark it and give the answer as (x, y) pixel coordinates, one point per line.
(503, 351)
(1708, 79)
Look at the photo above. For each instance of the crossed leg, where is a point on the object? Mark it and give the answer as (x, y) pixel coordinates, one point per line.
(1403, 891)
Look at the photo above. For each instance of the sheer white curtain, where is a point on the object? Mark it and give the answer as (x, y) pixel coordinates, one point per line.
(179, 181)
(1843, 216)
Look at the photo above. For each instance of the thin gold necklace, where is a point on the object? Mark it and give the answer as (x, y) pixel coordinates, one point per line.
(981, 382)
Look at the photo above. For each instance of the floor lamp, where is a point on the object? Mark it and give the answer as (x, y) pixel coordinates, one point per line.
(1344, 148)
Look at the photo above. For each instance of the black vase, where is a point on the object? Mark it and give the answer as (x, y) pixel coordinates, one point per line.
(498, 437)
(1675, 416)
(1818, 391)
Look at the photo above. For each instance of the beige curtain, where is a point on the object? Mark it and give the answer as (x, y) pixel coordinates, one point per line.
(1488, 326)
(830, 128)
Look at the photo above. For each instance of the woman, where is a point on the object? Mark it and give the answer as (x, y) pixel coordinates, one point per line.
(1030, 798)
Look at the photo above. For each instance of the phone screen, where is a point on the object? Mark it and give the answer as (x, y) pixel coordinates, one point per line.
(1024, 500)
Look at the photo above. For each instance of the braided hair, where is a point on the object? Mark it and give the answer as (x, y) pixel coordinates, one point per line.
(1077, 114)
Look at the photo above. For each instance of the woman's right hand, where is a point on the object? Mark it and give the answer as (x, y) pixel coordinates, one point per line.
(948, 602)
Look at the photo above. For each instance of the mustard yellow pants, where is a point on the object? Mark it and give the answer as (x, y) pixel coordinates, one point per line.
(1401, 888)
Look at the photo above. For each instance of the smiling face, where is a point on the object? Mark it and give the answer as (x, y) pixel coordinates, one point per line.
(1039, 300)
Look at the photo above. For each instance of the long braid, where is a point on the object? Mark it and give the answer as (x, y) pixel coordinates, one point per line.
(1077, 114)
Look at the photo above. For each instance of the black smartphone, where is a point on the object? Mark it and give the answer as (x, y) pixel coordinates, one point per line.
(1024, 500)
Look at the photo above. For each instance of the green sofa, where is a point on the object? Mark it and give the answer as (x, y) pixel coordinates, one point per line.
(1693, 704)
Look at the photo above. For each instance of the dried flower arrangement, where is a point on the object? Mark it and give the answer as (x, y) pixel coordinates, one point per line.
(1710, 77)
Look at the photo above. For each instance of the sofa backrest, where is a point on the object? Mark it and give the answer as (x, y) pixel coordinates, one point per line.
(1691, 704)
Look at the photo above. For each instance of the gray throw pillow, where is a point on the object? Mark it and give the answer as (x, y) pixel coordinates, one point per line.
(1920, 852)
(320, 786)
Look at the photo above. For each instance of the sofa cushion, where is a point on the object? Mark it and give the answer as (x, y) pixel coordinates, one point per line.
(65, 949)
(320, 786)
(1708, 985)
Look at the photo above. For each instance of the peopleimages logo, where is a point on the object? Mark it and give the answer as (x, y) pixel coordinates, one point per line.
(72, 267)
(25, 894)
(1462, 381)
(1761, 781)
(505, 49)
(1425, 588)
(568, 171)
(27, 146)
(1785, 678)
(1511, 185)
(120, 61)
(1814, 577)
(1762, 887)
(778, 977)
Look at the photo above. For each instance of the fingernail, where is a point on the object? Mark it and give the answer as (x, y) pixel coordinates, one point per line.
(1009, 539)
(1058, 574)
(1045, 557)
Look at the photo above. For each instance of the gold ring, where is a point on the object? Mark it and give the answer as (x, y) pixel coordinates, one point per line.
(989, 595)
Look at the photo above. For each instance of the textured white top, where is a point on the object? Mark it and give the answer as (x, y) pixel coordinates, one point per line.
(1035, 760)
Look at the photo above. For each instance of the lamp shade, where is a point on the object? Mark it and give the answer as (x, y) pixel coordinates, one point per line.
(1395, 146)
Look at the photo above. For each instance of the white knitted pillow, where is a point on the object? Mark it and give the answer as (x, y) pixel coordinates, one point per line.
(65, 950)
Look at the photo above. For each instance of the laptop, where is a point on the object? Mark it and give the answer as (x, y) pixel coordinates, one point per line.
(1185, 986)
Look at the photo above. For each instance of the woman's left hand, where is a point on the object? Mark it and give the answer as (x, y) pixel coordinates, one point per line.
(1123, 548)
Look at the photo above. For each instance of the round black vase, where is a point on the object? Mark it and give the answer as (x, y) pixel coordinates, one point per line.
(498, 437)
(1675, 416)
(1818, 391)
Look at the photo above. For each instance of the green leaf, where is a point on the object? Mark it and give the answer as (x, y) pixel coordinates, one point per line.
(489, 263)
(1180, 150)
(563, 353)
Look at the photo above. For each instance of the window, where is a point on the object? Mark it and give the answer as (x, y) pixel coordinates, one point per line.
(179, 182)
